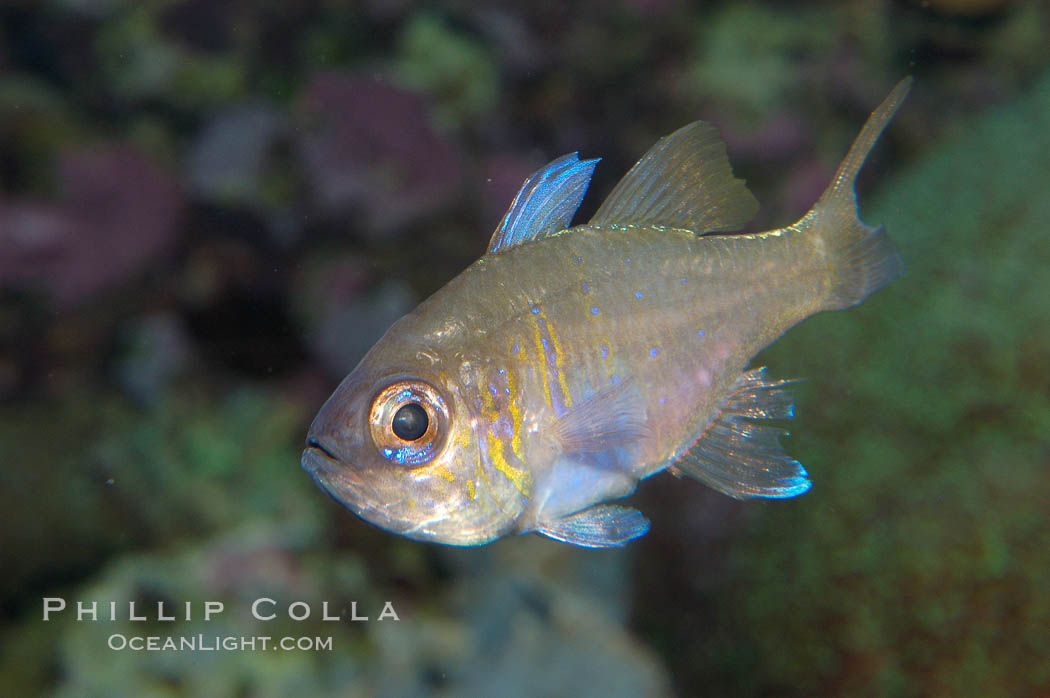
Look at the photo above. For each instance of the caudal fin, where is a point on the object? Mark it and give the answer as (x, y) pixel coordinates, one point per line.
(862, 259)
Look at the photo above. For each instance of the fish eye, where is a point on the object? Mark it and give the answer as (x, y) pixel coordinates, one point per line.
(409, 422)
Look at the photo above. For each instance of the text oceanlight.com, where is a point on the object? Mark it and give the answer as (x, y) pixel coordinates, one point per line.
(217, 643)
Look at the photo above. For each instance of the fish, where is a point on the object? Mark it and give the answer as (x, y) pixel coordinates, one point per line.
(568, 363)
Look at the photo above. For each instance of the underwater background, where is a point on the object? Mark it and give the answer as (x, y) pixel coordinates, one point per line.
(210, 209)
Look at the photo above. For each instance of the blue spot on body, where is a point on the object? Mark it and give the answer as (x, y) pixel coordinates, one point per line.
(516, 349)
(605, 351)
(576, 260)
(662, 400)
(586, 287)
(638, 294)
(594, 310)
(654, 352)
(502, 371)
(685, 280)
(613, 380)
(700, 333)
(628, 260)
(535, 308)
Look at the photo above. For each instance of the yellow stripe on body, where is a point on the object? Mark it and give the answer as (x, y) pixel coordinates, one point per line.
(516, 423)
(542, 323)
(444, 473)
(566, 397)
(541, 358)
(521, 478)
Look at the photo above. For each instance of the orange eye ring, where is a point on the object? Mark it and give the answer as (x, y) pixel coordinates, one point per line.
(426, 414)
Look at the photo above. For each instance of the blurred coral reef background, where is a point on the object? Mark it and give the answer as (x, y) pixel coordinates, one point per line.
(210, 209)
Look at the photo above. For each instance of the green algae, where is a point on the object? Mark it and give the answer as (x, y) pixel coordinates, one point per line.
(455, 71)
(98, 476)
(139, 63)
(743, 55)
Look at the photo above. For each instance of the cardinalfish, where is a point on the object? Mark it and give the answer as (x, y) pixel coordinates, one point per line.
(569, 363)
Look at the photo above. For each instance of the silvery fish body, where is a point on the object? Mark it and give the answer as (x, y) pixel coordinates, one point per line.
(567, 364)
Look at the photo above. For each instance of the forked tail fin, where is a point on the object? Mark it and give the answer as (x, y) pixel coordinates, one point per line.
(861, 259)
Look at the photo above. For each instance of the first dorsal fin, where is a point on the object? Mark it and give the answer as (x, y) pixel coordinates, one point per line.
(546, 202)
(684, 181)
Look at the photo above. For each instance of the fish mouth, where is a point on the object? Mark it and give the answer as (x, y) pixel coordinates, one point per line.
(312, 442)
(344, 485)
(324, 466)
(388, 507)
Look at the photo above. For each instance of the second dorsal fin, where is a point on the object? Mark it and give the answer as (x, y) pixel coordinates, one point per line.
(684, 181)
(546, 202)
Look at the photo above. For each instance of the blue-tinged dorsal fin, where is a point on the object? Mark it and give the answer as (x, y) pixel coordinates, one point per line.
(740, 457)
(603, 526)
(611, 418)
(684, 181)
(546, 202)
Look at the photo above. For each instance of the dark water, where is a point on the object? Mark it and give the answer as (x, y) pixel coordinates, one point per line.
(210, 209)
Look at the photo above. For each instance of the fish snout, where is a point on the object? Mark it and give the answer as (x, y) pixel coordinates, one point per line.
(333, 475)
(315, 457)
(320, 460)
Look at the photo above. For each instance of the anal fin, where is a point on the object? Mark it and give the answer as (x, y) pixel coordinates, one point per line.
(741, 457)
(603, 526)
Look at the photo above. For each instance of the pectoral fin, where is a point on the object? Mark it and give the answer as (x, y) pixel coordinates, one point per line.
(741, 457)
(613, 417)
(604, 526)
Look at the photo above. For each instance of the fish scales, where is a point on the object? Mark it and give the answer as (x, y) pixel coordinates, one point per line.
(569, 363)
(734, 286)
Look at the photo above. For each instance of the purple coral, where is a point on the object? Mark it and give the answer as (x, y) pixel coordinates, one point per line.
(369, 145)
(115, 211)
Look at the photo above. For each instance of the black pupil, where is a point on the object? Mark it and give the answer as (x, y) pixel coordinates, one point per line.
(410, 422)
